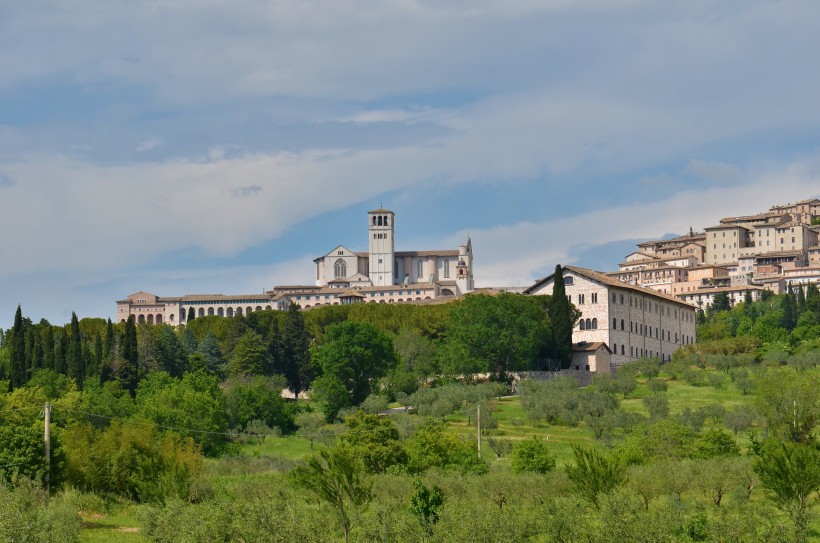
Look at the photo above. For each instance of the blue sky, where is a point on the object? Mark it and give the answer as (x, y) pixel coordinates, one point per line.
(185, 146)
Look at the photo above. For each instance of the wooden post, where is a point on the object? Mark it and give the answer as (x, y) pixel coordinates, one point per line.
(47, 439)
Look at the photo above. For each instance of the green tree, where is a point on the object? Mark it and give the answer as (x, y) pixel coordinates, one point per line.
(295, 362)
(532, 455)
(17, 351)
(337, 477)
(258, 397)
(562, 316)
(790, 402)
(425, 504)
(789, 310)
(250, 356)
(498, 333)
(594, 473)
(790, 473)
(128, 371)
(352, 357)
(74, 356)
(169, 352)
(375, 440)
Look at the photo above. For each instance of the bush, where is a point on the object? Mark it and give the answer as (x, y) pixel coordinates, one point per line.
(26, 514)
(532, 455)
(657, 385)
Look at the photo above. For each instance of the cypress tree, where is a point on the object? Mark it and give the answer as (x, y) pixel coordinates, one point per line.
(191, 314)
(747, 298)
(17, 352)
(789, 310)
(813, 299)
(48, 349)
(74, 357)
(209, 349)
(294, 350)
(128, 373)
(98, 356)
(801, 299)
(61, 347)
(561, 318)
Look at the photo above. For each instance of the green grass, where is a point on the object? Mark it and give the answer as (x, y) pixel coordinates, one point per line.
(121, 526)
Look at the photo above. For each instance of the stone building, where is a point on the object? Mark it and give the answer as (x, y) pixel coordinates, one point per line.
(152, 309)
(632, 321)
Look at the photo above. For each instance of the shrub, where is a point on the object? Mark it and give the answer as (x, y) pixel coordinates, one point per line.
(532, 455)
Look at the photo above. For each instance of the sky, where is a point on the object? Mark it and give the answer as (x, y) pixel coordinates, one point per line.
(219, 146)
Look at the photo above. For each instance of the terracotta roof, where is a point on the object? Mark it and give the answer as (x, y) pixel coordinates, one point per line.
(380, 210)
(586, 346)
(606, 280)
(224, 298)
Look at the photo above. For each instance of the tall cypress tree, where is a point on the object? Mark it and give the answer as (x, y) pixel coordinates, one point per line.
(74, 357)
(60, 350)
(561, 318)
(17, 352)
(48, 349)
(294, 351)
(789, 310)
(128, 373)
(801, 299)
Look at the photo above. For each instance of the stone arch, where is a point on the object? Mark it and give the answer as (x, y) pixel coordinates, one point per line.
(220, 312)
(385, 220)
(380, 220)
(171, 317)
(248, 310)
(210, 311)
(238, 311)
(201, 312)
(258, 308)
(141, 319)
(447, 292)
(268, 308)
(374, 220)
(581, 324)
(150, 319)
(159, 319)
(230, 312)
(122, 320)
(427, 298)
(594, 324)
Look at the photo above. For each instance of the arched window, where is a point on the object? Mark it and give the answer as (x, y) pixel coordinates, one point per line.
(589, 324)
(380, 220)
(594, 324)
(582, 324)
(210, 311)
(622, 324)
(220, 312)
(340, 269)
(385, 220)
(614, 324)
(374, 220)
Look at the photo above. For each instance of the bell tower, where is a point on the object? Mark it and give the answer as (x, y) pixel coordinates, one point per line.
(380, 228)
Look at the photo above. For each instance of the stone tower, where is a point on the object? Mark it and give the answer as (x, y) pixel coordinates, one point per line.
(464, 269)
(382, 248)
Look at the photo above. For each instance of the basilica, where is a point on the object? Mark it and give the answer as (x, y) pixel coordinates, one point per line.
(380, 275)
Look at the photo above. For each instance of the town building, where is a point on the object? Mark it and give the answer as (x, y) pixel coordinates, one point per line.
(632, 321)
(152, 309)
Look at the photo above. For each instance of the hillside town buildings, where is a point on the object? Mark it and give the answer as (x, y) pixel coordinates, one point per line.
(754, 253)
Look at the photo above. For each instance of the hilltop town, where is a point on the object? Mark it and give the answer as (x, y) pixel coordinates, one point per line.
(750, 253)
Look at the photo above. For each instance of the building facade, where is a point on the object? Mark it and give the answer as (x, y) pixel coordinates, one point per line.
(633, 321)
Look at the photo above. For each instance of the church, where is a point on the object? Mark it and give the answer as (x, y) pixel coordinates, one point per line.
(380, 275)
(384, 275)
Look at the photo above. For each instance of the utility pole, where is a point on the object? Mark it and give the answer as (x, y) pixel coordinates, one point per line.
(478, 425)
(47, 439)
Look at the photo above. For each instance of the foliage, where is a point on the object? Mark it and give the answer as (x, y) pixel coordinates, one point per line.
(595, 473)
(257, 397)
(497, 334)
(790, 473)
(375, 440)
(434, 446)
(27, 515)
(532, 455)
(425, 504)
(337, 477)
(133, 459)
(563, 316)
(352, 358)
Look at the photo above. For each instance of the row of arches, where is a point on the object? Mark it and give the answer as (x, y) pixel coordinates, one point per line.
(587, 324)
(399, 301)
(230, 311)
(380, 220)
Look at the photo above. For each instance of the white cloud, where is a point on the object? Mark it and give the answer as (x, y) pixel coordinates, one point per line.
(718, 172)
(519, 253)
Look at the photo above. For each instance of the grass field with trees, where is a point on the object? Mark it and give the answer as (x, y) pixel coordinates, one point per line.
(162, 434)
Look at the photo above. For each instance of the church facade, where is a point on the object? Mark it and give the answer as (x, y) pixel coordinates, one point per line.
(450, 270)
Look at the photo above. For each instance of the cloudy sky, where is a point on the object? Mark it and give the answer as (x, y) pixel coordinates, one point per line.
(218, 146)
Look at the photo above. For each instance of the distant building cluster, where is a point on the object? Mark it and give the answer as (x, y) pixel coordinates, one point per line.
(381, 275)
(645, 309)
(751, 253)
